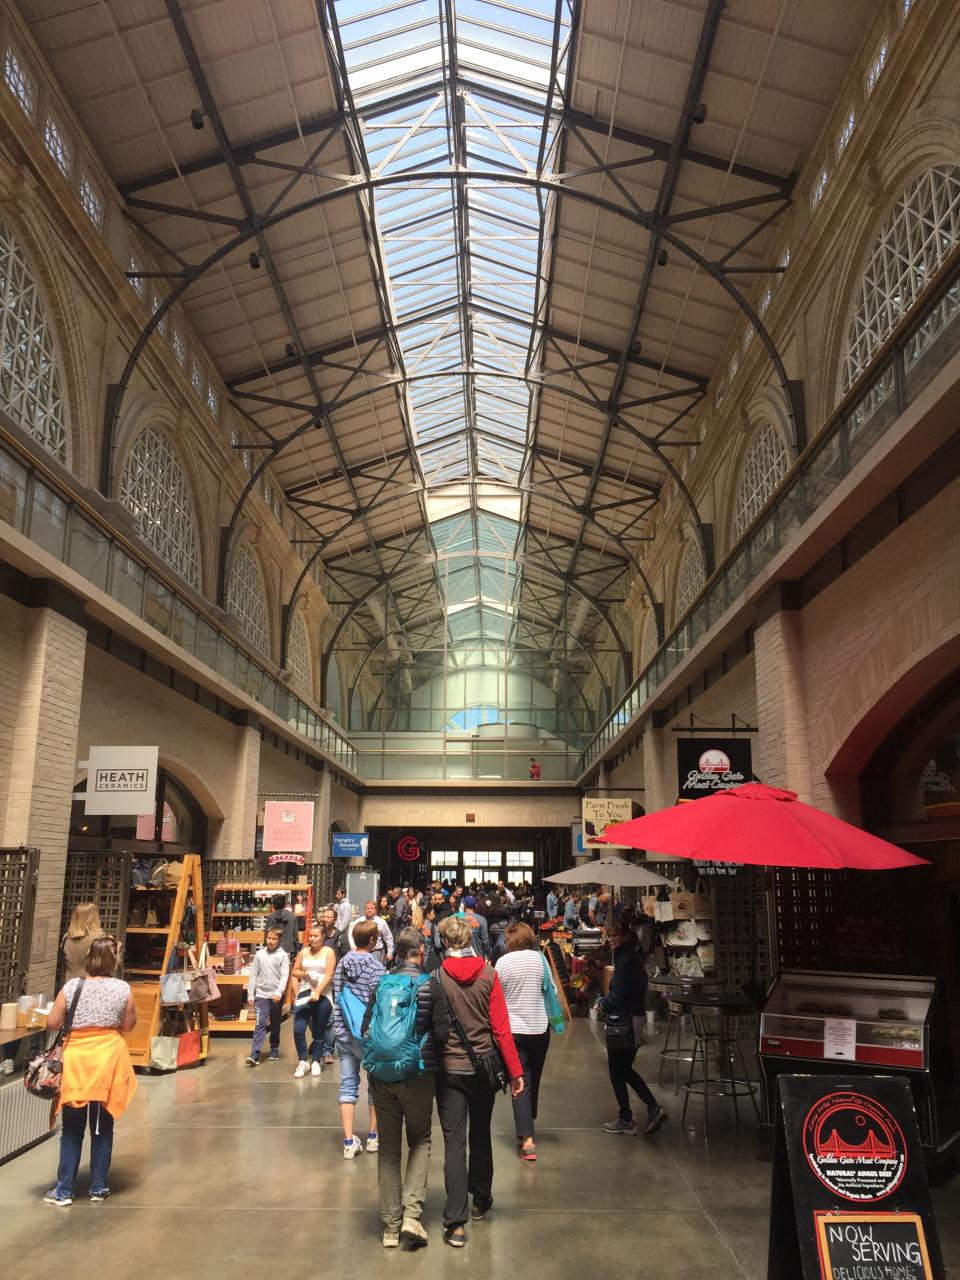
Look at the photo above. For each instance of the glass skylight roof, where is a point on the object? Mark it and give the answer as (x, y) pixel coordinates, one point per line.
(466, 257)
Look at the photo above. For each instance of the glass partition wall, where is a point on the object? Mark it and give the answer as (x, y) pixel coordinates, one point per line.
(498, 670)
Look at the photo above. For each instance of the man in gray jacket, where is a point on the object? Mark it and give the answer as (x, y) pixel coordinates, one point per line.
(408, 1102)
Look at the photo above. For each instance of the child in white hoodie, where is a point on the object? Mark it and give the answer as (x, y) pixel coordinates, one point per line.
(266, 987)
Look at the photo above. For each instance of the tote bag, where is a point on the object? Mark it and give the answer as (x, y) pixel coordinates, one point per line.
(551, 1000)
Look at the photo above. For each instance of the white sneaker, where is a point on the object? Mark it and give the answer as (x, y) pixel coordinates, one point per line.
(373, 1142)
(390, 1239)
(352, 1148)
(316, 1069)
(301, 1071)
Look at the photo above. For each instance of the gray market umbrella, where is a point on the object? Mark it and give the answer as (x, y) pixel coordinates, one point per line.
(617, 872)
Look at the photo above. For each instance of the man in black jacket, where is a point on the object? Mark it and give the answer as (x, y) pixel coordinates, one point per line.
(410, 1102)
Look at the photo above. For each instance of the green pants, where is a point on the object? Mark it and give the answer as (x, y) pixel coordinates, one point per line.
(411, 1101)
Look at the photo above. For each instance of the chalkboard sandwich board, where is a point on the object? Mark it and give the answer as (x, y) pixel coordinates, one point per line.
(850, 1199)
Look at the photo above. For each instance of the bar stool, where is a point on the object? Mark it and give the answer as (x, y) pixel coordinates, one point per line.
(679, 1052)
(670, 988)
(716, 1026)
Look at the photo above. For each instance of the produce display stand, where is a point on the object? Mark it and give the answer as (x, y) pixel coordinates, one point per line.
(249, 938)
(143, 976)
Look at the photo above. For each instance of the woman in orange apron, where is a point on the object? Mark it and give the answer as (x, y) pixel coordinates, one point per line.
(98, 1080)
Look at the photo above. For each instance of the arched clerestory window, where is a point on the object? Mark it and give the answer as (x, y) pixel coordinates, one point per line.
(919, 233)
(690, 580)
(246, 598)
(154, 488)
(649, 639)
(766, 463)
(31, 384)
(298, 656)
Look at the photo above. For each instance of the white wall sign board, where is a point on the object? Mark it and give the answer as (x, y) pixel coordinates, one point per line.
(121, 780)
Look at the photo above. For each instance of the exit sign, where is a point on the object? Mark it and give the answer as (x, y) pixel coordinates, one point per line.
(471, 817)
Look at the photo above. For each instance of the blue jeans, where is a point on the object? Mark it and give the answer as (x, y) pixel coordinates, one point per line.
(74, 1121)
(313, 1014)
(349, 1072)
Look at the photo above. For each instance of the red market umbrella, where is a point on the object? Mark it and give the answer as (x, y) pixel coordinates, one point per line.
(763, 826)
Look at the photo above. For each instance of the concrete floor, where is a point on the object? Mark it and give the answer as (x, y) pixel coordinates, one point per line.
(225, 1171)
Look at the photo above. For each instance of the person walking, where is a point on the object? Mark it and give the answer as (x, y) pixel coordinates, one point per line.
(383, 948)
(343, 909)
(571, 912)
(98, 1081)
(401, 1064)
(477, 924)
(479, 1027)
(337, 939)
(624, 1007)
(353, 980)
(522, 972)
(266, 988)
(284, 920)
(83, 928)
(310, 979)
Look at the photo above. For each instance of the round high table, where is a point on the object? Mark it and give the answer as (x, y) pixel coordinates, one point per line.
(716, 1018)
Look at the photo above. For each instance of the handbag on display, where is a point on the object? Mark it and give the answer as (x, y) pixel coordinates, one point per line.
(138, 916)
(163, 1052)
(188, 1048)
(150, 916)
(663, 907)
(702, 901)
(682, 903)
(683, 934)
(551, 1000)
(686, 964)
(172, 872)
(707, 956)
(704, 930)
(648, 904)
(44, 1073)
(204, 985)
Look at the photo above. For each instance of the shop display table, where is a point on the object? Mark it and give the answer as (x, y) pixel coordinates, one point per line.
(716, 1018)
(24, 1119)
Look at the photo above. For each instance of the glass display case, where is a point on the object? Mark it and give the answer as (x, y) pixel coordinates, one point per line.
(859, 1023)
(879, 1021)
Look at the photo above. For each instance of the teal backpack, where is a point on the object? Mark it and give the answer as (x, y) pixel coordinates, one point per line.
(391, 1050)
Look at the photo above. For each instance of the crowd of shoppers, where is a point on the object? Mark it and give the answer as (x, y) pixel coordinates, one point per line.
(440, 998)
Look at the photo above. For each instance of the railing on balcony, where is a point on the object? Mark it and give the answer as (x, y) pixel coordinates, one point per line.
(462, 761)
(36, 505)
(921, 345)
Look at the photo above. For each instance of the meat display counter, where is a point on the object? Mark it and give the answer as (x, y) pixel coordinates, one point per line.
(863, 1024)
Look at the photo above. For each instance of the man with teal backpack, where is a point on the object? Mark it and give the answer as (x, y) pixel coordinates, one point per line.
(405, 1022)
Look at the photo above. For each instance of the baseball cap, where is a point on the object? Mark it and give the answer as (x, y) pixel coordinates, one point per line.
(469, 900)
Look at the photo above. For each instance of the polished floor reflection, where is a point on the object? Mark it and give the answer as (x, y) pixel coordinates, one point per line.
(228, 1171)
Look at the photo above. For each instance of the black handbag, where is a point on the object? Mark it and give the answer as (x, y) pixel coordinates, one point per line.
(490, 1067)
(619, 1031)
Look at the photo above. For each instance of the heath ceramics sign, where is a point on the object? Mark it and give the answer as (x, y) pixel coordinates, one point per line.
(121, 780)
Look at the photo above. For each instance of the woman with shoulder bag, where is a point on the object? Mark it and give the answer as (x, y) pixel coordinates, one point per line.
(624, 1007)
(522, 973)
(98, 1081)
(478, 1048)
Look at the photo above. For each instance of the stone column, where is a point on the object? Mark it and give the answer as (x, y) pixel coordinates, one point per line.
(321, 820)
(659, 783)
(238, 834)
(44, 757)
(783, 749)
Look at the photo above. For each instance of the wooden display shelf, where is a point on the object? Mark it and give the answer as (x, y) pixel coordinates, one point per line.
(144, 981)
(216, 914)
(241, 935)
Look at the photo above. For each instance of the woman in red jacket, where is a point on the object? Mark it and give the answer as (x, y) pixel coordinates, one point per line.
(464, 1098)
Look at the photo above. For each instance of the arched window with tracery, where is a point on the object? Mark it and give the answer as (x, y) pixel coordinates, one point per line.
(154, 488)
(919, 233)
(298, 656)
(246, 598)
(649, 639)
(765, 465)
(690, 580)
(31, 385)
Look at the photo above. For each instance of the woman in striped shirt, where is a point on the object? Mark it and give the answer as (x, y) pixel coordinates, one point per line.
(521, 972)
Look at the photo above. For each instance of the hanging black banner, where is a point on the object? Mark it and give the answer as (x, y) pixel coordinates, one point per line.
(706, 765)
